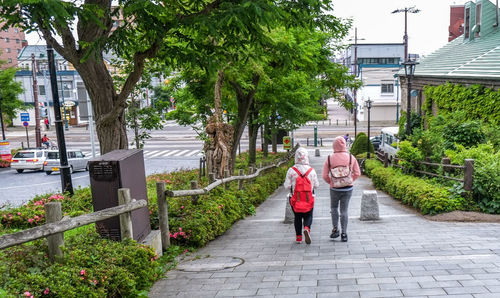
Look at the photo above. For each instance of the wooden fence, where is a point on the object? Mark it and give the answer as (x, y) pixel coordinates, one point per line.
(467, 168)
(195, 192)
(55, 227)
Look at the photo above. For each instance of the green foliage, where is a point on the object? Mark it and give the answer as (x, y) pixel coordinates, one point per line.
(33, 213)
(91, 267)
(9, 92)
(360, 144)
(410, 156)
(422, 194)
(467, 134)
(476, 101)
(415, 123)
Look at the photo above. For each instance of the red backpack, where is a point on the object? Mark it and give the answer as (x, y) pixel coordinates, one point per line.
(302, 199)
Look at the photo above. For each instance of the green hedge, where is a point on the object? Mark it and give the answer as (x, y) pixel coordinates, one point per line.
(361, 144)
(95, 267)
(419, 193)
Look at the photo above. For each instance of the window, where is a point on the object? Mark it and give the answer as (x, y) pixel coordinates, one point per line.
(387, 88)
(7, 50)
(41, 89)
(467, 22)
(78, 154)
(16, 30)
(7, 39)
(71, 154)
(10, 60)
(67, 87)
(18, 51)
(17, 40)
(477, 26)
(39, 154)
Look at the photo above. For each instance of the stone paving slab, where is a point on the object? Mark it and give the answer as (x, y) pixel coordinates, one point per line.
(400, 255)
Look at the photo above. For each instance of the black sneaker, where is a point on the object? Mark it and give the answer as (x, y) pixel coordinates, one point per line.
(343, 237)
(335, 233)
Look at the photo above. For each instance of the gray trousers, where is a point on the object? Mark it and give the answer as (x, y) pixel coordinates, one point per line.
(340, 198)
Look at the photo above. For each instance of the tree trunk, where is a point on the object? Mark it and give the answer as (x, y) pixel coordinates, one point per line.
(244, 103)
(274, 134)
(253, 129)
(265, 143)
(109, 111)
(220, 145)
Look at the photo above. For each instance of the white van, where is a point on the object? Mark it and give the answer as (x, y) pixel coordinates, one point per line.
(390, 141)
(76, 161)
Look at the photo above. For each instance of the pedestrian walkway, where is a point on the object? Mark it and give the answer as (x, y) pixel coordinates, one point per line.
(400, 255)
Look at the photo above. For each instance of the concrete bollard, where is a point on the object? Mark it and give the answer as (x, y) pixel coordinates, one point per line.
(316, 152)
(369, 205)
(289, 216)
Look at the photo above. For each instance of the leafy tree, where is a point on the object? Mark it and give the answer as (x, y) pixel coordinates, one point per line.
(9, 92)
(173, 31)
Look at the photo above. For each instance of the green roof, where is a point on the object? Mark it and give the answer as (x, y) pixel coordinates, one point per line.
(476, 57)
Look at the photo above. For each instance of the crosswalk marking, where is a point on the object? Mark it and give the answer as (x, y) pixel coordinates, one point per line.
(160, 153)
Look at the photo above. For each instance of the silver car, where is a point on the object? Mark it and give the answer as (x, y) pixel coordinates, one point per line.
(76, 161)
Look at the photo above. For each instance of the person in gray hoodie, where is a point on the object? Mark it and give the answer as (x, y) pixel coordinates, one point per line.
(302, 219)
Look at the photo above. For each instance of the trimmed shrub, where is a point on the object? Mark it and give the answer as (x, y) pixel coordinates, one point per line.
(361, 144)
(421, 194)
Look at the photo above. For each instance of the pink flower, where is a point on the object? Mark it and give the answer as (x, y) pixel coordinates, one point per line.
(19, 213)
(82, 272)
(27, 294)
(46, 292)
(185, 251)
(30, 220)
(175, 235)
(182, 207)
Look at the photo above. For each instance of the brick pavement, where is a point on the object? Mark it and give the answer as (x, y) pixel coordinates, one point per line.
(400, 255)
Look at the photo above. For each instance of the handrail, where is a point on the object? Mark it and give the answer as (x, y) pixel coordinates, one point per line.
(67, 224)
(218, 182)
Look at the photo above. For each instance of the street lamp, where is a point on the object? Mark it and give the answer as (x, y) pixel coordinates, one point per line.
(368, 105)
(409, 72)
(1, 118)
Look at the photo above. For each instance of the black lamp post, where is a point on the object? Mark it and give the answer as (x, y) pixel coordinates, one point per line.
(368, 104)
(409, 72)
(1, 118)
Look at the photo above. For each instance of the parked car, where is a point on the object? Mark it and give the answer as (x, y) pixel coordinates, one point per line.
(76, 161)
(29, 159)
(376, 142)
(390, 141)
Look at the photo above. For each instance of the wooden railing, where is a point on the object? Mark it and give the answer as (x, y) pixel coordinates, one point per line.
(55, 227)
(467, 168)
(195, 192)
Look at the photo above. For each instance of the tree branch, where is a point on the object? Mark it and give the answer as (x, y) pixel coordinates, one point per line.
(210, 6)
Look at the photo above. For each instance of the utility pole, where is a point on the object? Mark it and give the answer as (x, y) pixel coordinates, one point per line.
(406, 10)
(355, 91)
(67, 185)
(38, 136)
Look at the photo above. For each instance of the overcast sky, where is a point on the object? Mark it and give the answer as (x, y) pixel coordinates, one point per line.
(427, 30)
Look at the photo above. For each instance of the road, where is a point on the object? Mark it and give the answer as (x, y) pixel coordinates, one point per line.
(174, 147)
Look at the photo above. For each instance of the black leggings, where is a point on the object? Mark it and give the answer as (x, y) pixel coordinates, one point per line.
(307, 217)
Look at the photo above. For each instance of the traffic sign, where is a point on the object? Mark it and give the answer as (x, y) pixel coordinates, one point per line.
(26, 123)
(25, 116)
(287, 143)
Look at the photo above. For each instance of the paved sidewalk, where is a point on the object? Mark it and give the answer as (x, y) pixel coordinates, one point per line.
(400, 255)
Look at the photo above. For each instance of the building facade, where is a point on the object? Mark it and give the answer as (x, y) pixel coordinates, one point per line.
(73, 96)
(376, 65)
(473, 58)
(12, 41)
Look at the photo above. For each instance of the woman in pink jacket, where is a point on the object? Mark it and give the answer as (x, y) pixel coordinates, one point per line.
(342, 195)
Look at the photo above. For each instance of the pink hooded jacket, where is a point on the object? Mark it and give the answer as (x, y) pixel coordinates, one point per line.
(340, 157)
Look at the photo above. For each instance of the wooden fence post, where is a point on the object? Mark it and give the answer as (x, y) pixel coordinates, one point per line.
(163, 215)
(468, 174)
(126, 229)
(240, 183)
(194, 185)
(386, 160)
(226, 175)
(53, 213)
(211, 178)
(445, 161)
